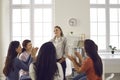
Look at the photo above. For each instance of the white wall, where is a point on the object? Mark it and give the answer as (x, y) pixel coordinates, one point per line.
(4, 30)
(0, 36)
(79, 9)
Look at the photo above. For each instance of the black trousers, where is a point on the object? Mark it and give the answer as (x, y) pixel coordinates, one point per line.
(63, 64)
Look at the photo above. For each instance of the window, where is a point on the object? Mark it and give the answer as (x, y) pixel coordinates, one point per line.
(105, 23)
(31, 19)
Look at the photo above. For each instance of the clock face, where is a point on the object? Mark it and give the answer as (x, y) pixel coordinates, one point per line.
(72, 21)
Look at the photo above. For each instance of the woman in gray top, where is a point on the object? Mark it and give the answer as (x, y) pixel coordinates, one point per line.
(60, 43)
(12, 63)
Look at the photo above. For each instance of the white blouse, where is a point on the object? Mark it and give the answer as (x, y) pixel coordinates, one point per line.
(56, 77)
(61, 46)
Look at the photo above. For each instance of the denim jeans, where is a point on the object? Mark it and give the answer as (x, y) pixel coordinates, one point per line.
(81, 76)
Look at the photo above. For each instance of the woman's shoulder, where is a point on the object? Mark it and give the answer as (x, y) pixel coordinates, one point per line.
(88, 60)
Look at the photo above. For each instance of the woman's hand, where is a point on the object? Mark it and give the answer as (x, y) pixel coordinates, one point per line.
(77, 54)
(61, 60)
(72, 58)
(34, 51)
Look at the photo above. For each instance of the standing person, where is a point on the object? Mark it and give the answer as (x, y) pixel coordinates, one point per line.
(24, 56)
(60, 43)
(12, 63)
(46, 67)
(92, 65)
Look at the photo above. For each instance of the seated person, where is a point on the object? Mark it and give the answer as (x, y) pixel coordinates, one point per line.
(12, 63)
(92, 65)
(25, 56)
(46, 66)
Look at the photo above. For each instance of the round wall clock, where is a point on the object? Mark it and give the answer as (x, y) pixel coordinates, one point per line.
(72, 21)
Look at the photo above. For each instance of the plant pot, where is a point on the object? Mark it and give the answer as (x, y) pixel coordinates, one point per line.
(112, 52)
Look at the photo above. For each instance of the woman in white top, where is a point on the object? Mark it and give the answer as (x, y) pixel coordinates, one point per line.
(46, 66)
(60, 43)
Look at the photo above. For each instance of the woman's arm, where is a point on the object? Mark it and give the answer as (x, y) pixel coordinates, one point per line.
(32, 71)
(75, 63)
(21, 65)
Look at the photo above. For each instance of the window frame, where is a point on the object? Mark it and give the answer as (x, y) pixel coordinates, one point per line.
(32, 7)
(107, 6)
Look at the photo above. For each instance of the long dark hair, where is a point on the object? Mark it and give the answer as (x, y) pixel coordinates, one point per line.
(45, 65)
(11, 54)
(24, 44)
(60, 30)
(92, 51)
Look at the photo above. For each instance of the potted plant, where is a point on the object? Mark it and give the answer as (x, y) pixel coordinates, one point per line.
(112, 49)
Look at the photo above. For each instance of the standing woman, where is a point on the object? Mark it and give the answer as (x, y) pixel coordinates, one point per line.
(60, 43)
(12, 63)
(25, 56)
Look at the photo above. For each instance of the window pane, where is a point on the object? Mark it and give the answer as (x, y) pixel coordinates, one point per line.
(38, 15)
(113, 1)
(16, 15)
(101, 29)
(16, 30)
(119, 15)
(114, 41)
(93, 1)
(102, 42)
(17, 38)
(43, 1)
(38, 41)
(20, 1)
(46, 39)
(25, 29)
(113, 15)
(47, 29)
(95, 39)
(47, 15)
(25, 1)
(93, 14)
(38, 30)
(119, 43)
(113, 28)
(16, 1)
(47, 1)
(25, 37)
(38, 1)
(93, 29)
(25, 15)
(101, 1)
(101, 15)
(119, 28)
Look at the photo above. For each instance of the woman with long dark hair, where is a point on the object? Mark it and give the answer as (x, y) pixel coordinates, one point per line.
(12, 63)
(92, 65)
(46, 66)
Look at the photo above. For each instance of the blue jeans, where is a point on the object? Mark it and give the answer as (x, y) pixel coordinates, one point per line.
(81, 76)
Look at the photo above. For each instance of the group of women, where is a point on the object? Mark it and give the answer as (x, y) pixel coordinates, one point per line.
(50, 63)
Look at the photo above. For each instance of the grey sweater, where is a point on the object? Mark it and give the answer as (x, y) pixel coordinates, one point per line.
(17, 65)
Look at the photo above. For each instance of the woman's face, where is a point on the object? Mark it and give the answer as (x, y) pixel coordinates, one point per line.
(29, 46)
(19, 49)
(57, 32)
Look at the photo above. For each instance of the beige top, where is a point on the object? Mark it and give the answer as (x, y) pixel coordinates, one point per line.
(56, 77)
(61, 46)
